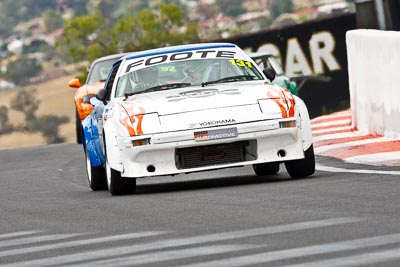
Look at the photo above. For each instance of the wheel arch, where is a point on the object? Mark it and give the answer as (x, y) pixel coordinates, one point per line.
(91, 141)
(113, 156)
(305, 123)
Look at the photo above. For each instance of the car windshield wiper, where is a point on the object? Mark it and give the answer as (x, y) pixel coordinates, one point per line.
(161, 87)
(230, 79)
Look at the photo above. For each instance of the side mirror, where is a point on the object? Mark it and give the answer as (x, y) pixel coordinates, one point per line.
(74, 83)
(101, 95)
(269, 73)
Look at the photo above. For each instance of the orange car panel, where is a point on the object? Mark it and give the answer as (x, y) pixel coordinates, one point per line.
(84, 109)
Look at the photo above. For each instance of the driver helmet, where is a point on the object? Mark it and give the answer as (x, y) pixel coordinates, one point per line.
(147, 76)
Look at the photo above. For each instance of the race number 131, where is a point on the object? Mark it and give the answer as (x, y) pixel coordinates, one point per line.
(240, 63)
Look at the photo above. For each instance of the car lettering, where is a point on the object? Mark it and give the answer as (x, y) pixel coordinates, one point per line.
(240, 63)
(202, 93)
(212, 123)
(181, 56)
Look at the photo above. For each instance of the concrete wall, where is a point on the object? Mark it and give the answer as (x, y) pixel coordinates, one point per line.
(374, 81)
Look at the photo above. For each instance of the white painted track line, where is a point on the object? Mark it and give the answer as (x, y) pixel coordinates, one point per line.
(75, 243)
(365, 259)
(173, 243)
(302, 252)
(16, 234)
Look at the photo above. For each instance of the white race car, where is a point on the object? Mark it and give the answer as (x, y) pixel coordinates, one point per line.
(193, 108)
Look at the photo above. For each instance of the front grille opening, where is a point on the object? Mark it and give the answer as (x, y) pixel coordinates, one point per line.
(201, 156)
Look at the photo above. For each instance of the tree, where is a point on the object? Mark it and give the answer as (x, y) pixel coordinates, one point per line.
(87, 37)
(231, 8)
(26, 102)
(5, 29)
(114, 11)
(5, 126)
(278, 7)
(265, 22)
(151, 29)
(52, 20)
(22, 69)
(21, 10)
(49, 126)
(79, 6)
(34, 47)
(92, 36)
(107, 8)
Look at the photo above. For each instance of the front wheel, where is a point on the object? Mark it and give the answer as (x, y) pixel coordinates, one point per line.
(118, 185)
(302, 167)
(269, 168)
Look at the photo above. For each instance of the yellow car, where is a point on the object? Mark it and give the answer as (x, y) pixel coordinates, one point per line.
(97, 75)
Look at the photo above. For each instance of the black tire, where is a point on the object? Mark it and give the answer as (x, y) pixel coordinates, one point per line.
(96, 175)
(78, 128)
(302, 167)
(118, 185)
(262, 169)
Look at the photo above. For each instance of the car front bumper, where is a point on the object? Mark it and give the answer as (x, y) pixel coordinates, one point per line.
(178, 152)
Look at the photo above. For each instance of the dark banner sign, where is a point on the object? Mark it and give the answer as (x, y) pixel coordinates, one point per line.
(315, 53)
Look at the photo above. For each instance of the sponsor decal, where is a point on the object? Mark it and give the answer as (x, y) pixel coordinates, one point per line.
(215, 134)
(241, 63)
(201, 136)
(158, 59)
(132, 123)
(284, 99)
(212, 123)
(200, 93)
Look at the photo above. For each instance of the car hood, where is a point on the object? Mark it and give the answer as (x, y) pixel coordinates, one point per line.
(203, 107)
(191, 99)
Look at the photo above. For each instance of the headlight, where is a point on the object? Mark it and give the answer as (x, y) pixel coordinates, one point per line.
(270, 107)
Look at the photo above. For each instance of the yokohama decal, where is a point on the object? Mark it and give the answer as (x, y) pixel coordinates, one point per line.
(284, 99)
(135, 120)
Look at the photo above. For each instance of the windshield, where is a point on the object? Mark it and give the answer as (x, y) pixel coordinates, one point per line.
(186, 73)
(99, 70)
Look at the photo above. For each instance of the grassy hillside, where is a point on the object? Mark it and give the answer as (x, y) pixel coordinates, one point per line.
(55, 98)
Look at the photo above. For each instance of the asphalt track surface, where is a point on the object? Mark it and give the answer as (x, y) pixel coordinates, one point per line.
(344, 215)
